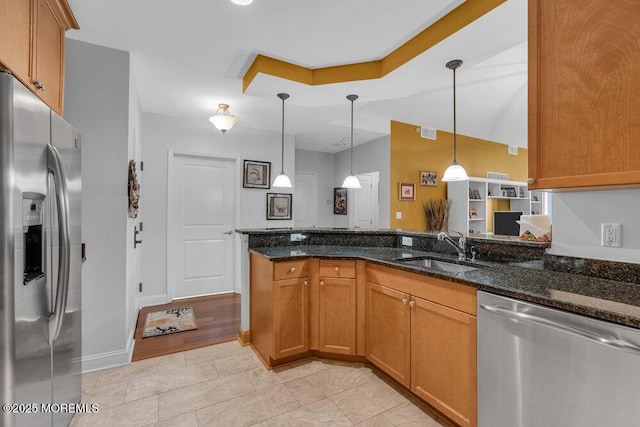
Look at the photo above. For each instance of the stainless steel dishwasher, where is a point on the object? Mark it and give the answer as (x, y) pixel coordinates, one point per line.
(544, 367)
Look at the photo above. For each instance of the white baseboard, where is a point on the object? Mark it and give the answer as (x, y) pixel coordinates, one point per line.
(152, 300)
(111, 359)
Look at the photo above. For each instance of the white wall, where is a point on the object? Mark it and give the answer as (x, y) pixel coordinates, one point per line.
(577, 219)
(369, 157)
(97, 103)
(163, 133)
(322, 164)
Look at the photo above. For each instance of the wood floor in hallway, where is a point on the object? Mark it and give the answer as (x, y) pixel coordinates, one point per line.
(217, 316)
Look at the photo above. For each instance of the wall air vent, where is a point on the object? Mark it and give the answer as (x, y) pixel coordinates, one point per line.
(428, 133)
(497, 175)
(513, 150)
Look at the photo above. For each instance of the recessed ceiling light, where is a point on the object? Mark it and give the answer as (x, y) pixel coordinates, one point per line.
(242, 2)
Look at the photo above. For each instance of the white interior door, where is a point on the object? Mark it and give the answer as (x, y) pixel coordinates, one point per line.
(305, 200)
(365, 213)
(201, 213)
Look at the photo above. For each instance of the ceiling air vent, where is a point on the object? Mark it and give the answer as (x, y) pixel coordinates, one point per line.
(428, 133)
(513, 150)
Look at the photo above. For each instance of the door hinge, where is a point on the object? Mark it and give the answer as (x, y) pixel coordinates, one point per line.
(141, 166)
(140, 287)
(140, 225)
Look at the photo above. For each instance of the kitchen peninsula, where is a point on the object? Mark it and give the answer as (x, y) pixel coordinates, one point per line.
(396, 299)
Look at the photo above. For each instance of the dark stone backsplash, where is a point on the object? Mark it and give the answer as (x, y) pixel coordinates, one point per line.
(603, 269)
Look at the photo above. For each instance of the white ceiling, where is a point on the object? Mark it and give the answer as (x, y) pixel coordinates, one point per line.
(189, 56)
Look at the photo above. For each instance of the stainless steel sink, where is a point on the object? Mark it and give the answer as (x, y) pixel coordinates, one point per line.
(435, 264)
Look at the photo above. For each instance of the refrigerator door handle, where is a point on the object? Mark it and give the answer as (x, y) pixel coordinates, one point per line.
(64, 243)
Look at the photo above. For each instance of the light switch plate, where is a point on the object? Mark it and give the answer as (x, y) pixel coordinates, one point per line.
(398, 215)
(407, 241)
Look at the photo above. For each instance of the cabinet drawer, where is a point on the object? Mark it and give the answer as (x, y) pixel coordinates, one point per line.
(289, 269)
(338, 268)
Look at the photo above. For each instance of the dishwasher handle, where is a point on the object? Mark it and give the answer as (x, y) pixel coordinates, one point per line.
(526, 317)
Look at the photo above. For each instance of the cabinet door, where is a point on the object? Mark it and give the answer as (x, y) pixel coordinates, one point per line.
(443, 359)
(388, 327)
(49, 54)
(338, 315)
(290, 317)
(15, 44)
(584, 86)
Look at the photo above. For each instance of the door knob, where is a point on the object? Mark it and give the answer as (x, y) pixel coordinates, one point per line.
(292, 269)
(404, 300)
(322, 283)
(412, 303)
(306, 283)
(337, 269)
(531, 181)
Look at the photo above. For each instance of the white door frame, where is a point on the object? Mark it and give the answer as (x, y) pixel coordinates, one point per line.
(236, 196)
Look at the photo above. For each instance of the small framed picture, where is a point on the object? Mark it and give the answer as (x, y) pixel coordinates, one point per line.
(473, 213)
(407, 191)
(339, 201)
(278, 206)
(256, 174)
(429, 178)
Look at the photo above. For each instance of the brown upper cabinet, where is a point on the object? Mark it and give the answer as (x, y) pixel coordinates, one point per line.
(34, 48)
(584, 94)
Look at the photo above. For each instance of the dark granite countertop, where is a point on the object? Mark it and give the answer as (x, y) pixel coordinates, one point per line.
(609, 300)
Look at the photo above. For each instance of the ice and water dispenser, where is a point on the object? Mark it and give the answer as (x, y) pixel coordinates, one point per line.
(32, 204)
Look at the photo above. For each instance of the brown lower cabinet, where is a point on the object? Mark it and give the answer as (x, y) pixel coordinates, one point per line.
(418, 329)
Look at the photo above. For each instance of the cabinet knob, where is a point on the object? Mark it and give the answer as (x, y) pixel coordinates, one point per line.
(337, 269)
(412, 303)
(531, 181)
(322, 283)
(404, 300)
(292, 269)
(38, 84)
(306, 282)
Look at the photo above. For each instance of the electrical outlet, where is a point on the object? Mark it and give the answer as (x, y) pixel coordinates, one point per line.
(612, 235)
(398, 215)
(407, 241)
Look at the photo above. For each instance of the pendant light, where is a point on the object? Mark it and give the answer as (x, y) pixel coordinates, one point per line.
(351, 181)
(454, 172)
(282, 180)
(223, 120)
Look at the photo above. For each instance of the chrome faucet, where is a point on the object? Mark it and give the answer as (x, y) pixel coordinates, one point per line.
(460, 246)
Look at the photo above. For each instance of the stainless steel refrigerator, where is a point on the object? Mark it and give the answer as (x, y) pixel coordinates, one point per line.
(40, 257)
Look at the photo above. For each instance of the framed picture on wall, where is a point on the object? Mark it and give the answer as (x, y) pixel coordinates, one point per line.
(407, 191)
(256, 174)
(428, 178)
(339, 201)
(278, 206)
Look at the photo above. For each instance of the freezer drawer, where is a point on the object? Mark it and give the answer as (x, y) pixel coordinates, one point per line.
(544, 367)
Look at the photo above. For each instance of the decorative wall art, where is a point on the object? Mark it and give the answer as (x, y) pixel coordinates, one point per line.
(339, 201)
(428, 178)
(134, 190)
(278, 206)
(256, 174)
(407, 191)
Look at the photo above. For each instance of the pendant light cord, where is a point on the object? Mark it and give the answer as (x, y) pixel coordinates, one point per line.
(454, 116)
(282, 170)
(352, 137)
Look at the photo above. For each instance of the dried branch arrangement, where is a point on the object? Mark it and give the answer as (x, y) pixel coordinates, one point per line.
(436, 212)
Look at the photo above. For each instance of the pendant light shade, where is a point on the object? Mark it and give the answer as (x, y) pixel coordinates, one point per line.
(242, 2)
(282, 180)
(223, 120)
(351, 181)
(455, 172)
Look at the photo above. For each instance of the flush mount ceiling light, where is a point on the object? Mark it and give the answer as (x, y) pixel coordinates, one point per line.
(282, 180)
(454, 172)
(223, 120)
(351, 181)
(242, 2)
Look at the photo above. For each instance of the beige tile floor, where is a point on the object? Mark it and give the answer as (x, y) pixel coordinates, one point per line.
(226, 385)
